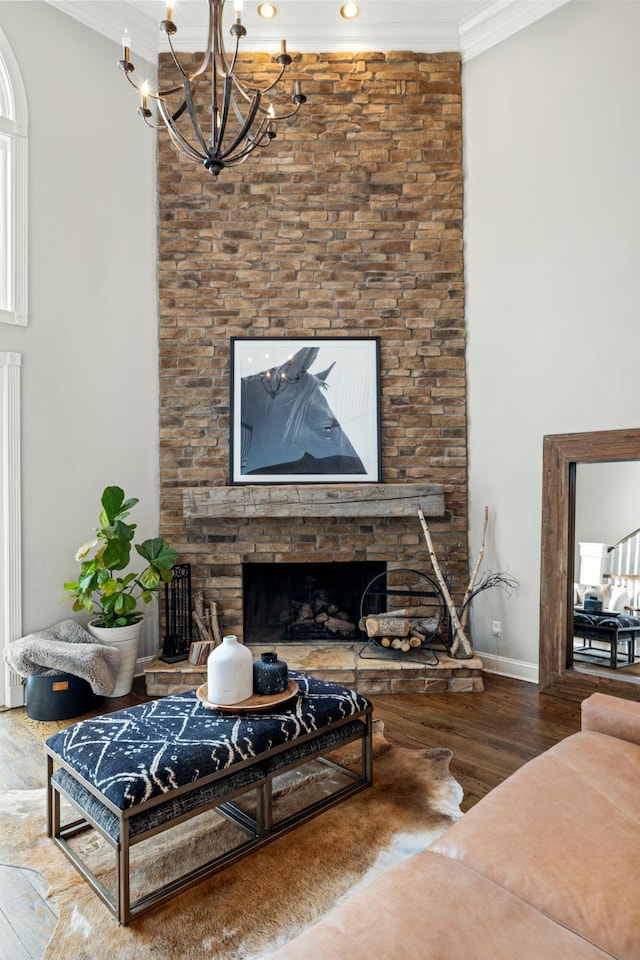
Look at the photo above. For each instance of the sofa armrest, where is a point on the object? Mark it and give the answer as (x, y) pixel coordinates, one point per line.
(619, 718)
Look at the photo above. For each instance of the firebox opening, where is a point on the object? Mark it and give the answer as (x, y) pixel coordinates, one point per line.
(305, 602)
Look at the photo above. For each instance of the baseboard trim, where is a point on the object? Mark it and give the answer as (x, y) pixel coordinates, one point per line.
(506, 667)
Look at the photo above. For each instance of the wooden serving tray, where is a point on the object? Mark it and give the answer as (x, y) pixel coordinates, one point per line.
(256, 702)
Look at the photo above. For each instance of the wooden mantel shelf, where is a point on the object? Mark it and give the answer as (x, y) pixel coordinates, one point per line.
(315, 500)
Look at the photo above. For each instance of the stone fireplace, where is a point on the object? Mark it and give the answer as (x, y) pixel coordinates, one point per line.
(288, 580)
(350, 224)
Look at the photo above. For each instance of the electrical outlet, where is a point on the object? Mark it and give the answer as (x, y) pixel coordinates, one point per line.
(496, 628)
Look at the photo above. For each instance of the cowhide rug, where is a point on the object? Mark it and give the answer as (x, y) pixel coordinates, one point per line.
(256, 905)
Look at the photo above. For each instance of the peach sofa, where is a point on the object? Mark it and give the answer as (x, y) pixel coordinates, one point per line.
(545, 867)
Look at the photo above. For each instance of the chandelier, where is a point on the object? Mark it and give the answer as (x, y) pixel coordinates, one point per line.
(236, 119)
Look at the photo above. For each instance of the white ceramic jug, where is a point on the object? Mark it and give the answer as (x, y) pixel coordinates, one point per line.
(229, 673)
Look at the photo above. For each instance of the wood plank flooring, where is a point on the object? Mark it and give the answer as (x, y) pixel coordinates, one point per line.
(491, 734)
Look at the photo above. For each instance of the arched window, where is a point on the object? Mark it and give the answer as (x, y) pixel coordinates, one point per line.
(13, 189)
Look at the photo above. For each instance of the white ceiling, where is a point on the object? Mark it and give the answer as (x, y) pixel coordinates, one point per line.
(315, 26)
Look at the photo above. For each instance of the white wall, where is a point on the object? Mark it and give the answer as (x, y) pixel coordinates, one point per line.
(89, 354)
(552, 247)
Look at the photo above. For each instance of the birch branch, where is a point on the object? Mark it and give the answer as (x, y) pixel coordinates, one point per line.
(460, 637)
(472, 582)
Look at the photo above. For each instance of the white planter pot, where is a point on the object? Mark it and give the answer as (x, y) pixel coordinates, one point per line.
(126, 640)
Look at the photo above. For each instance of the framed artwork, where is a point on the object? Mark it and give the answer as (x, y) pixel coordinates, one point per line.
(305, 410)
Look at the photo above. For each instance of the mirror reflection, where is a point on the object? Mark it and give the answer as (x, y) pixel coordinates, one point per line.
(606, 569)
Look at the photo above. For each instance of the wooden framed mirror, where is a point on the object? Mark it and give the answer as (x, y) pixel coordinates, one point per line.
(562, 453)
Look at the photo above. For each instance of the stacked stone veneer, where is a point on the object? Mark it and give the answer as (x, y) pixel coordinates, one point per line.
(350, 224)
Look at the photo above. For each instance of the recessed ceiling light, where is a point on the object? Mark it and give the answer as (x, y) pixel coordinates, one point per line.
(349, 11)
(267, 10)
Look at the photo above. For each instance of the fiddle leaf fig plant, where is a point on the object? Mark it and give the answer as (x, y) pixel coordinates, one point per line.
(99, 588)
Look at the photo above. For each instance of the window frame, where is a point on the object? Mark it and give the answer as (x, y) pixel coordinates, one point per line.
(13, 129)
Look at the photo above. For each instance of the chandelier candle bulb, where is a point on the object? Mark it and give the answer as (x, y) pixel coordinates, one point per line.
(126, 45)
(283, 46)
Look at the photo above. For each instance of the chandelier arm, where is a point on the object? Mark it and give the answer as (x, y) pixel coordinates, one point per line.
(204, 63)
(245, 129)
(237, 110)
(277, 80)
(248, 92)
(291, 113)
(230, 67)
(177, 63)
(221, 64)
(219, 131)
(160, 94)
(194, 120)
(242, 156)
(178, 140)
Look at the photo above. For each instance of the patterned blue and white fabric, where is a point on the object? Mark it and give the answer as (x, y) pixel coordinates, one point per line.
(608, 621)
(145, 751)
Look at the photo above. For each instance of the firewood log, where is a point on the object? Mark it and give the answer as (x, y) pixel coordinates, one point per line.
(404, 612)
(401, 643)
(427, 625)
(200, 624)
(305, 613)
(339, 626)
(199, 651)
(198, 603)
(385, 641)
(415, 641)
(381, 626)
(215, 623)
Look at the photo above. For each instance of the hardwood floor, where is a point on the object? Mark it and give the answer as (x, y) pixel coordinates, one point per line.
(491, 734)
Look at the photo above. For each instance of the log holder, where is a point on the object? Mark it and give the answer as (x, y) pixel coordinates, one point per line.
(379, 597)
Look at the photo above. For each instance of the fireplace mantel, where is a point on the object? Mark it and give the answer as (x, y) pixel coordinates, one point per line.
(315, 500)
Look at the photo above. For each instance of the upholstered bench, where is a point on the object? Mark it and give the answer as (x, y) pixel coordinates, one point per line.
(615, 629)
(140, 771)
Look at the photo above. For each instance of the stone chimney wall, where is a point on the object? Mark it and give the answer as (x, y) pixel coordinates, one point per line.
(349, 224)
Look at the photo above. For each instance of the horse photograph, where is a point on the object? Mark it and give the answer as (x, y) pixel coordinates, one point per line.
(305, 410)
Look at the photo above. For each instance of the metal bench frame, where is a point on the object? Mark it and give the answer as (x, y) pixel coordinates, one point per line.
(260, 829)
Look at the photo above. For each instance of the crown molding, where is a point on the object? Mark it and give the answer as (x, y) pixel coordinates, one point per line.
(442, 38)
(109, 20)
(494, 22)
(499, 20)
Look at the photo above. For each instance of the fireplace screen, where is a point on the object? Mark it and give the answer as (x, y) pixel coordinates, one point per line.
(305, 602)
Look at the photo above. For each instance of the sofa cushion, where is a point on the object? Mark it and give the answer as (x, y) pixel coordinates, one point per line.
(606, 714)
(563, 834)
(432, 907)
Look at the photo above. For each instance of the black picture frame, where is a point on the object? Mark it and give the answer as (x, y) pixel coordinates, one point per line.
(305, 410)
